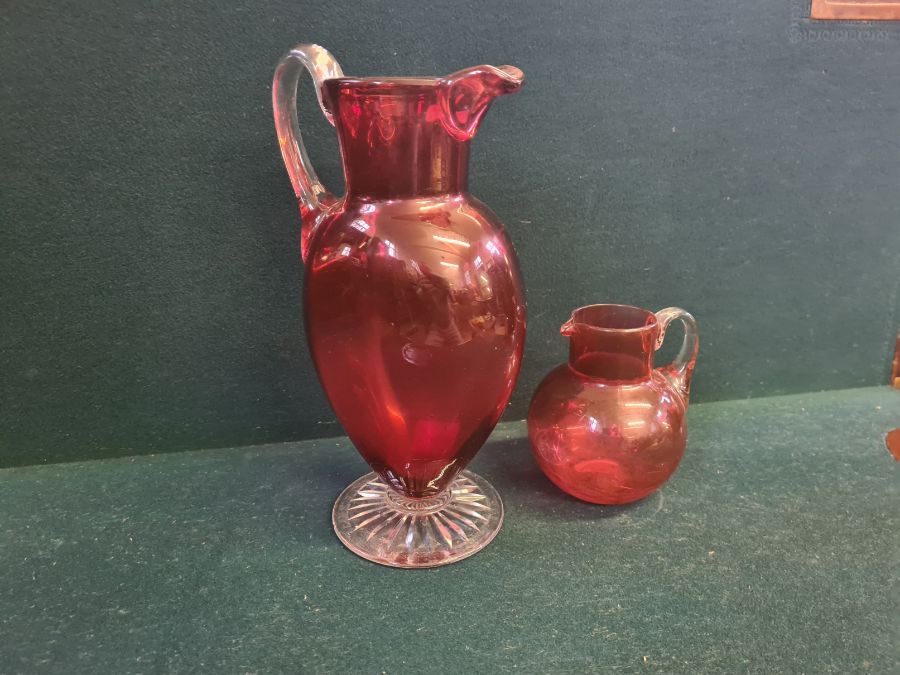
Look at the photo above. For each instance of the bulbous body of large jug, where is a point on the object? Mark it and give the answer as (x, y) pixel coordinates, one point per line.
(413, 304)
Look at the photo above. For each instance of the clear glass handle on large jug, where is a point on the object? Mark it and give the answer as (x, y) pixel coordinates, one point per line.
(413, 303)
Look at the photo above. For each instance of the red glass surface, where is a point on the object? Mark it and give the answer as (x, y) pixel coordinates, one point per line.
(892, 441)
(414, 307)
(607, 427)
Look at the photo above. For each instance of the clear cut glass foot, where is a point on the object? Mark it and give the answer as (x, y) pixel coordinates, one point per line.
(383, 526)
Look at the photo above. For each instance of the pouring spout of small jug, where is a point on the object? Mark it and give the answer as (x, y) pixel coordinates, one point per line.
(466, 95)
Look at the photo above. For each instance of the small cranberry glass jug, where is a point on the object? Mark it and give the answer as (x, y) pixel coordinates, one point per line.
(413, 304)
(607, 427)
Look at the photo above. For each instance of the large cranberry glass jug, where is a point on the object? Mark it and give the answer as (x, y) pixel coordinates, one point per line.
(607, 427)
(413, 303)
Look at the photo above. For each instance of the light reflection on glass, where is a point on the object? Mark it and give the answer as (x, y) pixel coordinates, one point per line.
(449, 240)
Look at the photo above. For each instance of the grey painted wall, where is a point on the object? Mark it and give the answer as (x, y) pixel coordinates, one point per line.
(661, 153)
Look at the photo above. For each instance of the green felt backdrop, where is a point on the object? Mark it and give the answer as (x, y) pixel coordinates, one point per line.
(699, 154)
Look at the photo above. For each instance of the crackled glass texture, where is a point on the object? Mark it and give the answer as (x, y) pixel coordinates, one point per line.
(607, 427)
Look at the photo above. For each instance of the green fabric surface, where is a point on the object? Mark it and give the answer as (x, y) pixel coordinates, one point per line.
(696, 154)
(772, 549)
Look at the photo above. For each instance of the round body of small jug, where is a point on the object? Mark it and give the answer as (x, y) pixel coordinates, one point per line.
(415, 316)
(607, 443)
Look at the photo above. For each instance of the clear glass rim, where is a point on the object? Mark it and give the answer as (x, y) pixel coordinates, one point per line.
(643, 319)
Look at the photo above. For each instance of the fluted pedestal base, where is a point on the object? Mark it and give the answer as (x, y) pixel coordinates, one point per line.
(379, 524)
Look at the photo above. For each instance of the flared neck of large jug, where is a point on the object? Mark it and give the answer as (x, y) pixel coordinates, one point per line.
(409, 137)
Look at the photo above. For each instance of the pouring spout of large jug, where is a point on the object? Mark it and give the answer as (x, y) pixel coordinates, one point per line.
(466, 95)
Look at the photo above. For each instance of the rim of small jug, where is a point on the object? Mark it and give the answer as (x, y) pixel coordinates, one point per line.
(650, 320)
